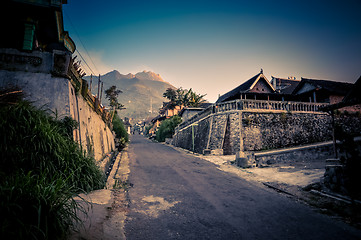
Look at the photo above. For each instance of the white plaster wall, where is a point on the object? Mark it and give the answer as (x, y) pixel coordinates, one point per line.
(40, 88)
(58, 95)
(94, 133)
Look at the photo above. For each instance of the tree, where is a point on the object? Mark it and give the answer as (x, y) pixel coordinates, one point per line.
(183, 97)
(167, 127)
(120, 132)
(192, 99)
(112, 95)
(171, 94)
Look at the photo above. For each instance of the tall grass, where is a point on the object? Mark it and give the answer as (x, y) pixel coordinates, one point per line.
(41, 170)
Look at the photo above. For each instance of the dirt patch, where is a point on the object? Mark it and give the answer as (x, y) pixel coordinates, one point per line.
(156, 205)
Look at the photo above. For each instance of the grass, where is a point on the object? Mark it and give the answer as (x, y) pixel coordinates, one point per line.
(41, 170)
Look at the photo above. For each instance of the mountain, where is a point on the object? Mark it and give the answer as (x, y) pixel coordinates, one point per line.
(141, 92)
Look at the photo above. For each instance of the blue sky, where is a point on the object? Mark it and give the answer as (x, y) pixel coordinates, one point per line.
(214, 46)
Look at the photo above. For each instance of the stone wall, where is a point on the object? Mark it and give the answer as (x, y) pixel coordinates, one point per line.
(262, 131)
(234, 131)
(215, 132)
(200, 131)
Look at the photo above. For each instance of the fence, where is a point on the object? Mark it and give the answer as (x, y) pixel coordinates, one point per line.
(258, 105)
(247, 104)
(94, 102)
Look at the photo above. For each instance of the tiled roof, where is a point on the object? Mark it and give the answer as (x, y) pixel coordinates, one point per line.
(286, 86)
(353, 96)
(245, 87)
(339, 88)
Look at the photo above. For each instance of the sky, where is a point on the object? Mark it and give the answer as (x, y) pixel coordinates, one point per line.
(214, 46)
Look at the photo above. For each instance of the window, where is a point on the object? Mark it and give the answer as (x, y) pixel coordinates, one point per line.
(28, 36)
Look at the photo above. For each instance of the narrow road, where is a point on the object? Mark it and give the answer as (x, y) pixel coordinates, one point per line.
(177, 196)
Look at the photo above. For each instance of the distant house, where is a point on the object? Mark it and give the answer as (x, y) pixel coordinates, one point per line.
(127, 124)
(169, 111)
(188, 112)
(257, 88)
(156, 123)
(165, 112)
(322, 91)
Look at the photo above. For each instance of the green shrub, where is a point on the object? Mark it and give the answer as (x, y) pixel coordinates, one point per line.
(147, 128)
(120, 131)
(41, 170)
(166, 128)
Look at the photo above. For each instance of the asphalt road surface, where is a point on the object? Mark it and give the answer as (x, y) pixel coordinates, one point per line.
(177, 196)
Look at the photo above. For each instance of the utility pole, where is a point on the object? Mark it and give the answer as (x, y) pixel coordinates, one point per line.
(91, 80)
(151, 105)
(98, 86)
(194, 124)
(101, 94)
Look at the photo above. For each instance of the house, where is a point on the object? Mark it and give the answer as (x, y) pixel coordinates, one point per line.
(34, 25)
(169, 111)
(321, 91)
(258, 88)
(127, 124)
(188, 112)
(351, 102)
(290, 89)
(36, 57)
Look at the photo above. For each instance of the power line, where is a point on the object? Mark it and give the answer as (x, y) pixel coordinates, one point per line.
(85, 61)
(81, 42)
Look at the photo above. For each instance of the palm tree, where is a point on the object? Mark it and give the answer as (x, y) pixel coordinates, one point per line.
(183, 97)
(194, 99)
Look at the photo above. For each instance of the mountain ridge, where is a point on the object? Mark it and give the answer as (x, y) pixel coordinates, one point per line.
(142, 93)
(144, 75)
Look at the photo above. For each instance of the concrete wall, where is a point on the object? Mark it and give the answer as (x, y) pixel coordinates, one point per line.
(307, 153)
(43, 89)
(94, 135)
(58, 95)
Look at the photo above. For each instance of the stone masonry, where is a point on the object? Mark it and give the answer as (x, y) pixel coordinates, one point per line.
(235, 131)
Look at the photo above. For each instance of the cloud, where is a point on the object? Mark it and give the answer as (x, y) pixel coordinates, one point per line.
(141, 68)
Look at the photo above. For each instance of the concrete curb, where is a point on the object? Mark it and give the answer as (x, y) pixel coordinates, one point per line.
(120, 171)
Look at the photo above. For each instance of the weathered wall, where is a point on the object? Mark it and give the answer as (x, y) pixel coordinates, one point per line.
(200, 130)
(234, 131)
(297, 154)
(41, 88)
(262, 131)
(58, 95)
(217, 131)
(94, 135)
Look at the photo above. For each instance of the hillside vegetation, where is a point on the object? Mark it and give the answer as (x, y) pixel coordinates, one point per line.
(140, 92)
